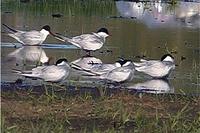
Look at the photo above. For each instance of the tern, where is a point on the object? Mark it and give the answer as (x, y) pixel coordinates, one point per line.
(53, 73)
(156, 68)
(102, 68)
(32, 37)
(87, 42)
(122, 72)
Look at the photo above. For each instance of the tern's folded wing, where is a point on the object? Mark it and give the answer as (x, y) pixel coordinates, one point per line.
(31, 37)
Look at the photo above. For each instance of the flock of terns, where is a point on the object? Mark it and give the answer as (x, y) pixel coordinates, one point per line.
(120, 71)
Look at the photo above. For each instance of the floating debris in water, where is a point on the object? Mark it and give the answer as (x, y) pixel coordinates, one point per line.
(188, 44)
(109, 51)
(174, 52)
(183, 58)
(115, 17)
(172, 2)
(101, 52)
(57, 15)
(133, 17)
(24, 1)
(7, 12)
(196, 51)
(143, 56)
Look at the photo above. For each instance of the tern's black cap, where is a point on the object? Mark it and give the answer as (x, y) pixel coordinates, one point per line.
(46, 27)
(164, 56)
(123, 61)
(103, 30)
(61, 60)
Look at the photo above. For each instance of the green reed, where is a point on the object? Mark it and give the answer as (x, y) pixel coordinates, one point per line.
(63, 7)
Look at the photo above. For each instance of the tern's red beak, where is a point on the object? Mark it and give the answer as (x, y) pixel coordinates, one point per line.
(52, 33)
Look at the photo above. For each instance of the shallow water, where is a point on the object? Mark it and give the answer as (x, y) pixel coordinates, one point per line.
(146, 30)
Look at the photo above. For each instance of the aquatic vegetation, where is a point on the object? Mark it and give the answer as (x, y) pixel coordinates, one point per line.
(63, 7)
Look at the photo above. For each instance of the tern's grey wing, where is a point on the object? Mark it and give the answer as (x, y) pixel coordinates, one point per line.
(88, 41)
(102, 68)
(35, 72)
(150, 66)
(48, 73)
(145, 63)
(54, 73)
(30, 38)
(120, 74)
(39, 70)
(87, 38)
(155, 69)
(81, 37)
(152, 62)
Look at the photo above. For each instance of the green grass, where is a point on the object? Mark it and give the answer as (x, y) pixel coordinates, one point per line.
(26, 111)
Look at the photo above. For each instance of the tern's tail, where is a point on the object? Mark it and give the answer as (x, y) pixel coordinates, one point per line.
(27, 74)
(84, 71)
(140, 68)
(61, 37)
(66, 39)
(137, 64)
(16, 71)
(9, 28)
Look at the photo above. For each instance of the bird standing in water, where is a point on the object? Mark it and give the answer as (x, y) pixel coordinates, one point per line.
(87, 42)
(32, 37)
(53, 73)
(156, 68)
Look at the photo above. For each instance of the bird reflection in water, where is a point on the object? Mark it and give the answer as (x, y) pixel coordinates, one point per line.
(28, 54)
(156, 86)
